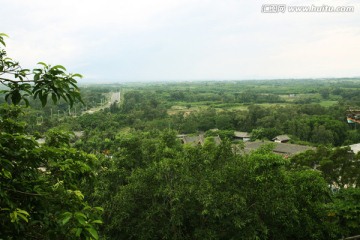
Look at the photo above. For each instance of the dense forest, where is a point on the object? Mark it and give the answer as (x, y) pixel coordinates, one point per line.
(113, 163)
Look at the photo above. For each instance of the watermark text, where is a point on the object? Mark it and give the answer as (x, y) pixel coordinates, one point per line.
(283, 8)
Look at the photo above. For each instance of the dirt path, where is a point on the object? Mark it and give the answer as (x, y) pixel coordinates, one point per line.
(113, 97)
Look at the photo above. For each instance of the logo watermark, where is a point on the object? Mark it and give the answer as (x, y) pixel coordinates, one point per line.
(283, 8)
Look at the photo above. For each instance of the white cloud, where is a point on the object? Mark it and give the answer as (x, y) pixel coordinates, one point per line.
(188, 39)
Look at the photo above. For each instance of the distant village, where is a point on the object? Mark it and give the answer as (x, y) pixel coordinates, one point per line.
(280, 143)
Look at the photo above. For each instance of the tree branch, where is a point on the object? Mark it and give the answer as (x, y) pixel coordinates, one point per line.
(26, 193)
(14, 81)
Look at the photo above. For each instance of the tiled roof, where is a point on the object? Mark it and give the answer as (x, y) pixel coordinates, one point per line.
(281, 138)
(281, 148)
(198, 140)
(193, 140)
(242, 134)
(355, 148)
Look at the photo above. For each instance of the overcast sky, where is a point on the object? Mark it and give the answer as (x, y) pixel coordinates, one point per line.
(147, 40)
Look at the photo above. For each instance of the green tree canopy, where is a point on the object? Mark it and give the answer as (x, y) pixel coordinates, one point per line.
(40, 185)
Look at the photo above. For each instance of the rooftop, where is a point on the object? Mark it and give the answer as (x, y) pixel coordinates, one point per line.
(280, 148)
(281, 138)
(355, 148)
(242, 134)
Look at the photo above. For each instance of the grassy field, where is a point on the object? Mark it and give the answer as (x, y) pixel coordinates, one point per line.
(328, 103)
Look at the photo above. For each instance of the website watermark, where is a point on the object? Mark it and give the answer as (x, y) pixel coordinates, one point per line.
(283, 8)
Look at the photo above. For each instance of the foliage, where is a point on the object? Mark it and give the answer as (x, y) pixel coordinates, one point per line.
(39, 183)
(340, 166)
(208, 193)
(39, 83)
(149, 185)
(40, 194)
(344, 211)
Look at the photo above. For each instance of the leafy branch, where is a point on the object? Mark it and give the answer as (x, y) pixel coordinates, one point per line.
(42, 82)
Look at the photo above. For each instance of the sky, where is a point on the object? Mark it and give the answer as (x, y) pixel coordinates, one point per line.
(184, 40)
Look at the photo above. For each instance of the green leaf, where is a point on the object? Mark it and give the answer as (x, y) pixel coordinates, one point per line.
(99, 209)
(59, 66)
(2, 39)
(15, 97)
(79, 195)
(37, 71)
(93, 233)
(42, 63)
(6, 174)
(67, 217)
(86, 208)
(81, 220)
(22, 212)
(77, 75)
(78, 232)
(13, 216)
(74, 85)
(43, 99)
(79, 214)
(36, 77)
(19, 213)
(54, 97)
(22, 216)
(26, 102)
(97, 221)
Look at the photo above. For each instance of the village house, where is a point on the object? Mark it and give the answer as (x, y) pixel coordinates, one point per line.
(355, 148)
(281, 139)
(243, 136)
(197, 140)
(284, 149)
